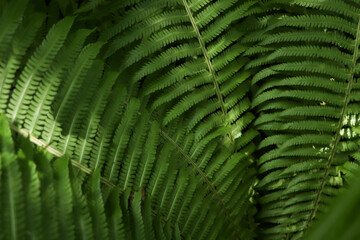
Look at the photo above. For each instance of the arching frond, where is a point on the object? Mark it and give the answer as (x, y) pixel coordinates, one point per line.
(303, 89)
(38, 186)
(182, 119)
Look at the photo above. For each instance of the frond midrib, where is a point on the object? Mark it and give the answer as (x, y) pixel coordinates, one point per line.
(340, 124)
(206, 56)
(56, 153)
(205, 178)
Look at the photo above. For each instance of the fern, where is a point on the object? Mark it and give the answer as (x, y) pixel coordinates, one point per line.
(342, 209)
(302, 163)
(80, 134)
(37, 64)
(49, 186)
(189, 118)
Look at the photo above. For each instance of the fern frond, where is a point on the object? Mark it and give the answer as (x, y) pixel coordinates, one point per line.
(70, 88)
(130, 164)
(13, 218)
(146, 165)
(46, 194)
(37, 64)
(46, 92)
(300, 126)
(96, 207)
(31, 188)
(21, 41)
(107, 126)
(10, 20)
(93, 120)
(121, 139)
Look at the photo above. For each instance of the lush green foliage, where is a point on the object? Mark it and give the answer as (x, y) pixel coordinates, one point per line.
(342, 221)
(224, 119)
(44, 198)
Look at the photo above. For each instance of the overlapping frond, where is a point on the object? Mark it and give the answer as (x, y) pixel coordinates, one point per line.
(195, 46)
(343, 210)
(180, 106)
(306, 60)
(153, 101)
(43, 199)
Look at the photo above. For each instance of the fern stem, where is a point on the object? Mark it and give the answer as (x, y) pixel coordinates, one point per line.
(76, 164)
(203, 175)
(206, 56)
(208, 62)
(340, 124)
(56, 153)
